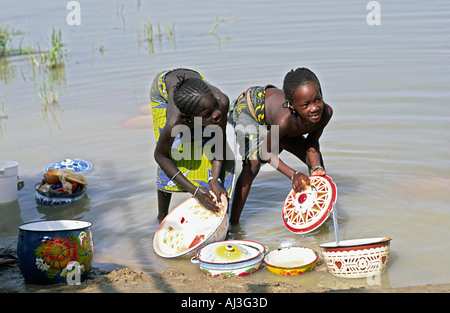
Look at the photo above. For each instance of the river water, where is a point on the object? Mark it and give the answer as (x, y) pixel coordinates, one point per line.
(386, 148)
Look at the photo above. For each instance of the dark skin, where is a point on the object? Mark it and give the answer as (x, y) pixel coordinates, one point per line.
(213, 110)
(313, 114)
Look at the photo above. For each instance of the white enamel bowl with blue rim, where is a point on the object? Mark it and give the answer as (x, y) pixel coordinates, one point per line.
(230, 258)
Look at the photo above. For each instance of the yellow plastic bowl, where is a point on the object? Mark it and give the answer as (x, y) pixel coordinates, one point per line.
(291, 261)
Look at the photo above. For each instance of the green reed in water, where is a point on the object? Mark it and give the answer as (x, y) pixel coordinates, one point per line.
(218, 22)
(147, 34)
(3, 115)
(56, 54)
(5, 39)
(51, 66)
(47, 66)
(49, 97)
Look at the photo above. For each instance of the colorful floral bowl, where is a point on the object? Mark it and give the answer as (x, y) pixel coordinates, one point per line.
(291, 261)
(357, 258)
(55, 251)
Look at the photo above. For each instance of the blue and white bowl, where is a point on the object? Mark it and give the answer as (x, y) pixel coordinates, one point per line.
(77, 165)
(53, 199)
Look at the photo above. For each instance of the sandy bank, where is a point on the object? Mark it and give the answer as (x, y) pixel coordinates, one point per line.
(127, 280)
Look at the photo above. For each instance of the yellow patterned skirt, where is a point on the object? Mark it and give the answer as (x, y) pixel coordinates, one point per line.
(247, 115)
(195, 170)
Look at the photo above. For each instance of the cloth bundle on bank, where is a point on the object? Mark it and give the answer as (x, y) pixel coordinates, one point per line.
(67, 177)
(63, 181)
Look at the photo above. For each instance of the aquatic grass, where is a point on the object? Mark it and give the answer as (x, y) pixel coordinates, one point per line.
(7, 71)
(34, 61)
(50, 74)
(51, 63)
(52, 58)
(120, 15)
(5, 39)
(3, 115)
(57, 53)
(149, 33)
(148, 30)
(48, 68)
(218, 22)
(49, 98)
(170, 32)
(100, 47)
(49, 85)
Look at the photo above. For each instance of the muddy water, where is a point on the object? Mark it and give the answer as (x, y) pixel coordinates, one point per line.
(386, 148)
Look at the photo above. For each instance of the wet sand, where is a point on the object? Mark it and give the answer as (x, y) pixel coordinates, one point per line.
(126, 280)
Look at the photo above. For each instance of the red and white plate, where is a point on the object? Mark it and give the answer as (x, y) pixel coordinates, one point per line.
(305, 211)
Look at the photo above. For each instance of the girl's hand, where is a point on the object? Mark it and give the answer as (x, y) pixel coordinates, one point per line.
(319, 171)
(300, 182)
(217, 189)
(207, 200)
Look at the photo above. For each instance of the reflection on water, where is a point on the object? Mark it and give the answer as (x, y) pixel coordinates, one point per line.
(7, 72)
(386, 147)
(66, 211)
(10, 218)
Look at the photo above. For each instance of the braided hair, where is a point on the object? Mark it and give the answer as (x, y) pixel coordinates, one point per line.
(297, 78)
(188, 93)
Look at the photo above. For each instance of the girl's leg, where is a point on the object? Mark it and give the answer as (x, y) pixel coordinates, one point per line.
(242, 188)
(163, 204)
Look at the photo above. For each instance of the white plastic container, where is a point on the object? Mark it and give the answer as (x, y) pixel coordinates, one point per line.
(9, 183)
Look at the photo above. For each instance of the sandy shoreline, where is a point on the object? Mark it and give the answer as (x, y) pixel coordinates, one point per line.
(126, 280)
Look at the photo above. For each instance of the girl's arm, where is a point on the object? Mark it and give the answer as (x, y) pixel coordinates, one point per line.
(217, 163)
(162, 157)
(313, 155)
(299, 180)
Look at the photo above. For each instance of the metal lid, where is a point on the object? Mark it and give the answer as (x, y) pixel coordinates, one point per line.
(230, 251)
(78, 165)
(305, 211)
